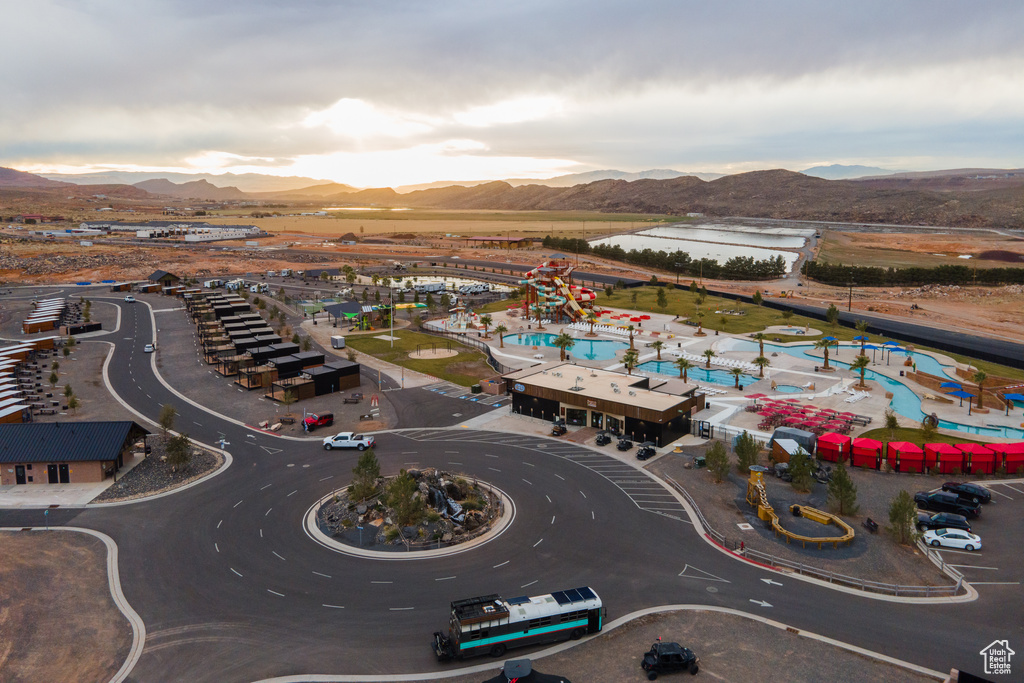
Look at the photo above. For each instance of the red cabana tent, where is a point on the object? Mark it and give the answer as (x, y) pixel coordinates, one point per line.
(978, 458)
(866, 453)
(834, 447)
(908, 456)
(945, 456)
(1012, 455)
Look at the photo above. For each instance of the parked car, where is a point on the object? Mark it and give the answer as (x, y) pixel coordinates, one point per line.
(972, 492)
(953, 538)
(349, 440)
(664, 658)
(942, 520)
(941, 501)
(148, 348)
(129, 299)
(624, 444)
(315, 420)
(603, 438)
(646, 450)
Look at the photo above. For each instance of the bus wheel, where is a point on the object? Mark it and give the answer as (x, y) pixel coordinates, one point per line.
(497, 650)
(576, 634)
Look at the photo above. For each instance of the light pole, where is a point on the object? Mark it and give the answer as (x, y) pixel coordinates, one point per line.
(849, 301)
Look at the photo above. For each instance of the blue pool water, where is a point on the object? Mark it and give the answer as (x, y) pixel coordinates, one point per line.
(788, 389)
(905, 402)
(712, 376)
(590, 349)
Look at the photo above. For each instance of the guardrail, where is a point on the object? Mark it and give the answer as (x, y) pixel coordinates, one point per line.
(741, 548)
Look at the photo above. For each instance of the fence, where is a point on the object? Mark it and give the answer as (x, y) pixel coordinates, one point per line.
(495, 364)
(741, 548)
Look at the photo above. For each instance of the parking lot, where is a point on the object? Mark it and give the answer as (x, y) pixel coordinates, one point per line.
(1000, 526)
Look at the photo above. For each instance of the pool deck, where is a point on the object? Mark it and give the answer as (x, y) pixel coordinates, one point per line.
(726, 403)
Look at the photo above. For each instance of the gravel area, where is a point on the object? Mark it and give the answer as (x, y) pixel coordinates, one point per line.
(730, 648)
(875, 557)
(153, 475)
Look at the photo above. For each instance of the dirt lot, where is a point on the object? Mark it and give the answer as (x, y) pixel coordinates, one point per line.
(871, 556)
(731, 648)
(61, 624)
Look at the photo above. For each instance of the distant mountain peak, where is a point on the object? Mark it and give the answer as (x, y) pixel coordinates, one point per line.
(845, 172)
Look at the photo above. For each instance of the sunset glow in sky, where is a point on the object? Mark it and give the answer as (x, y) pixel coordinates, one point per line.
(393, 93)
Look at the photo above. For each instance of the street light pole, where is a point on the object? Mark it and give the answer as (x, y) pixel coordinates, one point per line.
(849, 301)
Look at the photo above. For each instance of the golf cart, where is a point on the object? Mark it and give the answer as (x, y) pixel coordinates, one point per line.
(665, 658)
(646, 450)
(558, 427)
(603, 438)
(624, 443)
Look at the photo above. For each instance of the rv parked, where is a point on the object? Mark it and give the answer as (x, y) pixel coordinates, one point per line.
(434, 287)
(213, 284)
(286, 272)
(259, 288)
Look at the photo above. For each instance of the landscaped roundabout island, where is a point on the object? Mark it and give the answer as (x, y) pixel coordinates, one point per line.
(417, 511)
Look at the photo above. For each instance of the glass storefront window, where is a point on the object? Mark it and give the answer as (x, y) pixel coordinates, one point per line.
(575, 416)
(613, 424)
(597, 420)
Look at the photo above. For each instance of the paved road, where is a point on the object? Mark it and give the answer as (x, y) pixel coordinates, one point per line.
(231, 588)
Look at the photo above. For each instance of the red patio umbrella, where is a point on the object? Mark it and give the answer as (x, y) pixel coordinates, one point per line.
(645, 317)
(827, 410)
(791, 400)
(757, 396)
(847, 414)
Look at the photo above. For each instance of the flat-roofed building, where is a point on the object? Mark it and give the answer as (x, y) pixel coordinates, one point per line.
(644, 408)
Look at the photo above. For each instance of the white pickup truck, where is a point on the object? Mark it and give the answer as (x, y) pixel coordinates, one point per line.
(348, 440)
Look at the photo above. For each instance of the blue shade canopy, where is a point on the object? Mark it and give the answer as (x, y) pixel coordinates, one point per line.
(891, 343)
(860, 337)
(1014, 397)
(830, 339)
(960, 394)
(951, 385)
(872, 347)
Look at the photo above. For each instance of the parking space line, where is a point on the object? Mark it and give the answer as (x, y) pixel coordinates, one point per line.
(1000, 493)
(970, 566)
(972, 553)
(1013, 489)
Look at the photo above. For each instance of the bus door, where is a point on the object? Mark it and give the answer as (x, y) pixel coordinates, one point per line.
(594, 620)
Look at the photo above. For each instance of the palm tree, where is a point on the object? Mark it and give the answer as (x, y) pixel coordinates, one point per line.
(709, 354)
(375, 279)
(700, 323)
(860, 363)
(630, 328)
(824, 344)
(862, 327)
(500, 330)
(593, 321)
(760, 337)
(486, 321)
(658, 345)
(979, 378)
(762, 362)
(564, 342)
(684, 367)
(736, 373)
(630, 359)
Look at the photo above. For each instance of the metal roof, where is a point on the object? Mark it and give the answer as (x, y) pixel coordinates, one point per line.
(65, 441)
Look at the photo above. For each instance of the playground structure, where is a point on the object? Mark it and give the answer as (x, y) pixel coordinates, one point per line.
(551, 296)
(757, 496)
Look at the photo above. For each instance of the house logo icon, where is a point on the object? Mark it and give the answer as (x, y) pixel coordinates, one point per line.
(997, 657)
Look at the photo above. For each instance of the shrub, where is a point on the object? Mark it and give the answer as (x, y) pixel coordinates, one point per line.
(717, 461)
(392, 534)
(902, 516)
(800, 470)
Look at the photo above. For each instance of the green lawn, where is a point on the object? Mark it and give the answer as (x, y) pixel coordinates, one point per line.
(466, 369)
(913, 435)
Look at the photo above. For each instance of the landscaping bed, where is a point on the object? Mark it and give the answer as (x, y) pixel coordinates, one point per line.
(154, 475)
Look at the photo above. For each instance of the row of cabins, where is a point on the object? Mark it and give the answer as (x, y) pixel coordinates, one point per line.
(21, 382)
(903, 456)
(45, 315)
(239, 343)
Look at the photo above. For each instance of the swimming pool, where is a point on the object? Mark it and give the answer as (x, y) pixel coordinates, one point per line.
(904, 401)
(713, 376)
(788, 389)
(590, 349)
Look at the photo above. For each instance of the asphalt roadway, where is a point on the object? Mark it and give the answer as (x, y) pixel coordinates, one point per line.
(232, 589)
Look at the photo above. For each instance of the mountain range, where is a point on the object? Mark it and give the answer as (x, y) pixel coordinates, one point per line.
(964, 197)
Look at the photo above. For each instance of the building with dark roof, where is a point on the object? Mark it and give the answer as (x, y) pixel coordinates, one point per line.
(164, 278)
(65, 452)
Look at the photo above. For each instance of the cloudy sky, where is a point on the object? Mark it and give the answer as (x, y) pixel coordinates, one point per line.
(383, 92)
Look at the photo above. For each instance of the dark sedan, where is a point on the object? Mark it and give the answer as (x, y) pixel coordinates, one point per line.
(972, 492)
(942, 520)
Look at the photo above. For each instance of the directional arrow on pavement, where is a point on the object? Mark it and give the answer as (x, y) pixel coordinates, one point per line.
(771, 583)
(762, 603)
(271, 451)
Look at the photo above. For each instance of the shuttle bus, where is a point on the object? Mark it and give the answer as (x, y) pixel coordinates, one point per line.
(491, 625)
